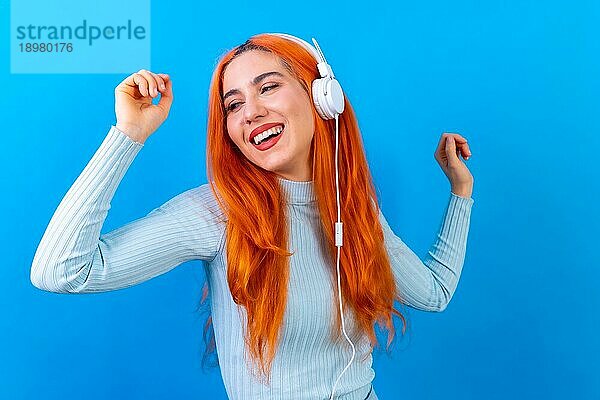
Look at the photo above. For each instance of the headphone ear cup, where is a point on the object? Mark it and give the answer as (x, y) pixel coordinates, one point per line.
(329, 104)
(319, 99)
(335, 97)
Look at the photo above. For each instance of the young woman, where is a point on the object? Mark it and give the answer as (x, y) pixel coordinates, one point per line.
(264, 225)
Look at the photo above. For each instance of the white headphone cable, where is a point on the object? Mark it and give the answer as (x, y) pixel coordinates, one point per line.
(338, 243)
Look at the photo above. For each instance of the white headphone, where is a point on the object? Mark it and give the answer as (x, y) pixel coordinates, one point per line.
(328, 99)
(327, 93)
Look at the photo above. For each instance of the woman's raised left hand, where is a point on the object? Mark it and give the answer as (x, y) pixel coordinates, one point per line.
(447, 154)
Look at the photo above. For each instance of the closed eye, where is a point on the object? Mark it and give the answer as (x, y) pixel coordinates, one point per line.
(233, 106)
(269, 87)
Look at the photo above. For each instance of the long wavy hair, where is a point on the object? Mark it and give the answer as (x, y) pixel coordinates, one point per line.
(257, 225)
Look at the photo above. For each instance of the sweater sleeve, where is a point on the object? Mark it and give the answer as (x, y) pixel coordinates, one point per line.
(429, 285)
(73, 257)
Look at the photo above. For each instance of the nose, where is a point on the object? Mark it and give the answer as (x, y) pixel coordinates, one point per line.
(253, 109)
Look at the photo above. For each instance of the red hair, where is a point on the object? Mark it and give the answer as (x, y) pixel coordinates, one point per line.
(256, 242)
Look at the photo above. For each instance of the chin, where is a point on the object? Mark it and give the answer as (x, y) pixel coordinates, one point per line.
(272, 165)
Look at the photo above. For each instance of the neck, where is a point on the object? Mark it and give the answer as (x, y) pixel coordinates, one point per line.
(297, 192)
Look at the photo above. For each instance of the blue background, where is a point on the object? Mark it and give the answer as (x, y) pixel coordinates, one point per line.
(518, 79)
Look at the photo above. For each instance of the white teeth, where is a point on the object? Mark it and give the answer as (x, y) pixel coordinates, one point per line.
(273, 131)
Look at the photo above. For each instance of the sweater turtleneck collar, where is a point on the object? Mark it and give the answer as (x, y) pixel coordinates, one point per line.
(298, 192)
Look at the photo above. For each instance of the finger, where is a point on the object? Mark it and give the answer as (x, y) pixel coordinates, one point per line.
(165, 78)
(458, 138)
(152, 84)
(451, 150)
(464, 149)
(159, 81)
(166, 98)
(441, 145)
(141, 83)
(461, 145)
(135, 82)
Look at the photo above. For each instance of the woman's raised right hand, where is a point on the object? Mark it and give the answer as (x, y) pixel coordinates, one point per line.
(137, 117)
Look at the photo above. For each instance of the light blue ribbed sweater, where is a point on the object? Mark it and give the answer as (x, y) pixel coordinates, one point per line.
(73, 257)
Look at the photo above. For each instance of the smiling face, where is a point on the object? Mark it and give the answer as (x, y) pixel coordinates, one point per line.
(259, 93)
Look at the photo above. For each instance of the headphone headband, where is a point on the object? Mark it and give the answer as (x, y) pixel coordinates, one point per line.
(322, 65)
(302, 42)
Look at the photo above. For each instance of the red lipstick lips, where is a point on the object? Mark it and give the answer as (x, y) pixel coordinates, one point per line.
(261, 129)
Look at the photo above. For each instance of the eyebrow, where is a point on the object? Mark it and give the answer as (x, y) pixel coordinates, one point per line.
(255, 82)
